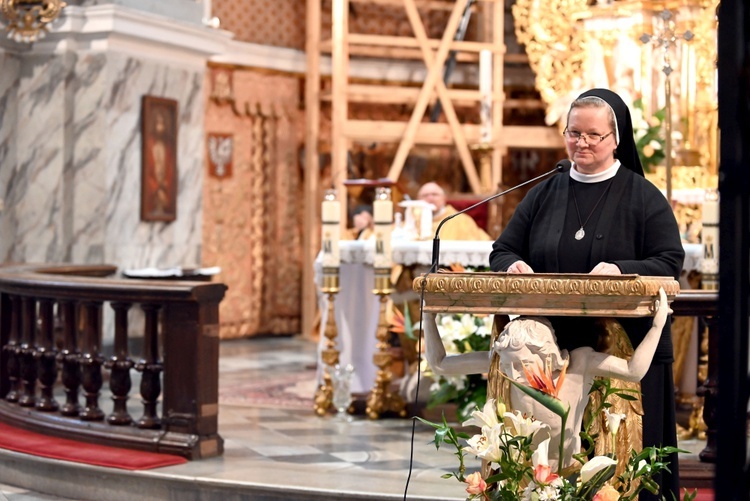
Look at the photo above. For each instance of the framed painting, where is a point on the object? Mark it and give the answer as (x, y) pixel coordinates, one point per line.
(159, 159)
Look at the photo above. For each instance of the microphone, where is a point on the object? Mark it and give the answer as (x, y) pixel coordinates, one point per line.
(563, 165)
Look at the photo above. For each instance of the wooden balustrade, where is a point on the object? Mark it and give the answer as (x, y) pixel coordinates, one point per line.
(53, 371)
(705, 304)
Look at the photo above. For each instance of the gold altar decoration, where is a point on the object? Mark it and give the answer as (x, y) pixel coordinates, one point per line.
(561, 294)
(573, 46)
(323, 400)
(554, 45)
(383, 398)
(28, 20)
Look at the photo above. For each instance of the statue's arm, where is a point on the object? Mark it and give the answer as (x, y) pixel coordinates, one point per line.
(476, 362)
(634, 369)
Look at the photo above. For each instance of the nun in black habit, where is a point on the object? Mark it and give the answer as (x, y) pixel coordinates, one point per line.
(603, 217)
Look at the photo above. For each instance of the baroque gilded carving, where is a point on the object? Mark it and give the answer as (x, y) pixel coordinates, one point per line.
(554, 44)
(543, 293)
(29, 20)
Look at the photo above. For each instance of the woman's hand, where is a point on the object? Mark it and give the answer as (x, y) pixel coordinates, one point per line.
(519, 267)
(606, 269)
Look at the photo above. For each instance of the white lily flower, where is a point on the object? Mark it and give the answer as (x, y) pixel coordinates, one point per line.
(487, 445)
(655, 144)
(594, 466)
(524, 426)
(486, 417)
(468, 325)
(613, 420)
(485, 329)
(541, 454)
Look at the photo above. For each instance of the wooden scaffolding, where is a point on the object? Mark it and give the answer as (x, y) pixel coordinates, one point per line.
(433, 53)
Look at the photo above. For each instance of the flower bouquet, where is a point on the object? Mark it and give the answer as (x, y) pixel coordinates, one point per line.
(515, 451)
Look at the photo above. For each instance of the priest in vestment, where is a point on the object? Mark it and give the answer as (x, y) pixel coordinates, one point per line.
(461, 227)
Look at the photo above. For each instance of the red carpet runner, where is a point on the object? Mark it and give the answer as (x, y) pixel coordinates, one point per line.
(28, 442)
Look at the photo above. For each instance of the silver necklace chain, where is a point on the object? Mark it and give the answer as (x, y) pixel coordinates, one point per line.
(581, 233)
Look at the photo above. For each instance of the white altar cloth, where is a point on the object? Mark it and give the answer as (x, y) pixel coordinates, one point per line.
(411, 252)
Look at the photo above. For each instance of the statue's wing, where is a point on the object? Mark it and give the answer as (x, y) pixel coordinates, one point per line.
(498, 387)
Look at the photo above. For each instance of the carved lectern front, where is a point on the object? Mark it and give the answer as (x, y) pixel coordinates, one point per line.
(546, 294)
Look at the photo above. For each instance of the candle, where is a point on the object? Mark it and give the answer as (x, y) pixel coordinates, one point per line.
(485, 92)
(331, 211)
(331, 231)
(425, 222)
(383, 217)
(382, 211)
(710, 240)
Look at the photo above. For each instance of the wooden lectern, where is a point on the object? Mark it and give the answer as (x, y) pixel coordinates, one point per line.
(545, 294)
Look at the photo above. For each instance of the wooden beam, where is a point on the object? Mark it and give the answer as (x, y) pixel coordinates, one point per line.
(390, 52)
(433, 75)
(450, 113)
(412, 42)
(439, 134)
(311, 238)
(340, 108)
(392, 94)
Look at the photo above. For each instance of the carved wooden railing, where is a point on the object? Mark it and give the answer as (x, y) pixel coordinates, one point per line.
(705, 304)
(53, 370)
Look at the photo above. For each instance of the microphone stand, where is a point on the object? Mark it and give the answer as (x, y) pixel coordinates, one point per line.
(561, 166)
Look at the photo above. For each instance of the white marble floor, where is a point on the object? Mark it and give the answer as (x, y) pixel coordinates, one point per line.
(286, 447)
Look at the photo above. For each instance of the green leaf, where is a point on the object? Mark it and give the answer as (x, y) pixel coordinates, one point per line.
(553, 404)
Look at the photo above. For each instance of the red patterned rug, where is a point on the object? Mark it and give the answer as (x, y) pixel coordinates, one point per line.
(288, 391)
(27, 442)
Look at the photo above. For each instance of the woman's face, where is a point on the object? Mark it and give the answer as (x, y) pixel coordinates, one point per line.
(591, 159)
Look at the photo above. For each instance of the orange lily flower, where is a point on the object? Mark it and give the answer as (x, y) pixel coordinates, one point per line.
(541, 378)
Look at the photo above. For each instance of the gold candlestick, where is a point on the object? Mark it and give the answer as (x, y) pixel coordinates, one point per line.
(330, 355)
(382, 399)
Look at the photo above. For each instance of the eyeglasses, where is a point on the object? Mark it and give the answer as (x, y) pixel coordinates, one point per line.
(589, 139)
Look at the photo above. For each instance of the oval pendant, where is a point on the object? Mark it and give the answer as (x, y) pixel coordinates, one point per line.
(580, 234)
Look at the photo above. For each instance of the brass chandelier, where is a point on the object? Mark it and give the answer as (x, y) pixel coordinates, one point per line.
(28, 20)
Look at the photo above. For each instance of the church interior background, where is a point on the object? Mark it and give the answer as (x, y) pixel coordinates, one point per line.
(254, 154)
(71, 128)
(275, 103)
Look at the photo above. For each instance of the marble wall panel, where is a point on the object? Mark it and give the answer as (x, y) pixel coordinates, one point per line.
(138, 243)
(72, 191)
(9, 75)
(38, 202)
